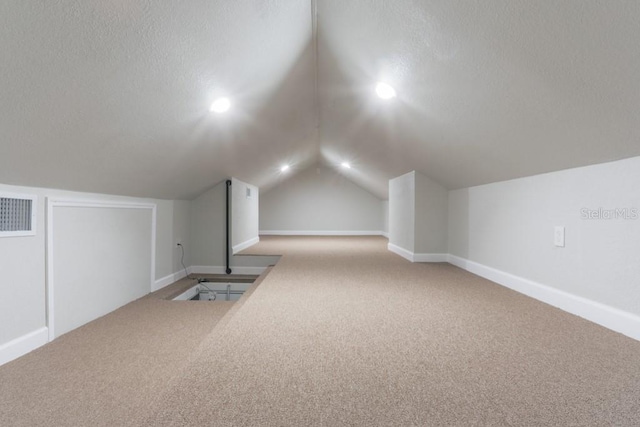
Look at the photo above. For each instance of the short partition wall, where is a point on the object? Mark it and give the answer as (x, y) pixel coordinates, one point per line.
(100, 256)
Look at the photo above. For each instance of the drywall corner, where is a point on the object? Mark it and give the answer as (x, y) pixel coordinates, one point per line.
(245, 214)
(402, 205)
(207, 228)
(431, 216)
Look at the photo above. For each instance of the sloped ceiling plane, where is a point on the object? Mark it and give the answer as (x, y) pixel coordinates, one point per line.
(113, 96)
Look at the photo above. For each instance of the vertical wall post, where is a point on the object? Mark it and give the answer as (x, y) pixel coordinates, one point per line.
(228, 270)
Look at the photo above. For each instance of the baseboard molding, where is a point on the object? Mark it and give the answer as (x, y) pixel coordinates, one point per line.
(430, 257)
(23, 345)
(413, 257)
(612, 318)
(385, 234)
(320, 233)
(245, 245)
(169, 279)
(207, 269)
(400, 251)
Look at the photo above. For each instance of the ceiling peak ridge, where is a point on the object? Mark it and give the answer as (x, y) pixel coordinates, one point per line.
(316, 74)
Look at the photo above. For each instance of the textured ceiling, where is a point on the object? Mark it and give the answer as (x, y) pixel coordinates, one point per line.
(113, 96)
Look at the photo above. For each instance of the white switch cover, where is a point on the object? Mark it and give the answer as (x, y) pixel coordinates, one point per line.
(558, 237)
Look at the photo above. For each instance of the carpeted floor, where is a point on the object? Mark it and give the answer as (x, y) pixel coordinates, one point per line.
(341, 333)
(107, 372)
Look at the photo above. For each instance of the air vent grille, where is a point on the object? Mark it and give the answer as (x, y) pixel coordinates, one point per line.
(17, 216)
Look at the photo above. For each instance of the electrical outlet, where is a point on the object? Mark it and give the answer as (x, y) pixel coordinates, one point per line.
(558, 236)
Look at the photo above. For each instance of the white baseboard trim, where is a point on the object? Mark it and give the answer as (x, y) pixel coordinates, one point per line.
(430, 257)
(245, 245)
(169, 279)
(320, 233)
(385, 234)
(208, 269)
(612, 318)
(23, 345)
(413, 257)
(400, 251)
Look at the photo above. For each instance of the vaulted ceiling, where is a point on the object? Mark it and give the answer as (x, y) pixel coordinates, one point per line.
(113, 96)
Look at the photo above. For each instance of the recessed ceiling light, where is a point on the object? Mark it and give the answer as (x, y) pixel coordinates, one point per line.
(385, 91)
(346, 165)
(284, 168)
(220, 105)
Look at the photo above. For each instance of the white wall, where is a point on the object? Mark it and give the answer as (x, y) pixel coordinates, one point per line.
(244, 215)
(402, 210)
(22, 265)
(100, 260)
(432, 208)
(418, 209)
(207, 229)
(22, 277)
(385, 217)
(208, 239)
(320, 200)
(181, 234)
(173, 225)
(164, 240)
(509, 226)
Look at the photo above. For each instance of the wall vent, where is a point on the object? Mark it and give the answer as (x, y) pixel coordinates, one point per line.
(17, 215)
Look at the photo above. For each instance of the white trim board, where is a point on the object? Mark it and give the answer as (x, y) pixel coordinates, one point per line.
(413, 257)
(400, 251)
(321, 233)
(87, 203)
(209, 269)
(169, 279)
(22, 345)
(245, 245)
(610, 317)
(430, 257)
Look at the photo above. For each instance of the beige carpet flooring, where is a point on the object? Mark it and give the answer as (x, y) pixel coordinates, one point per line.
(107, 372)
(343, 333)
